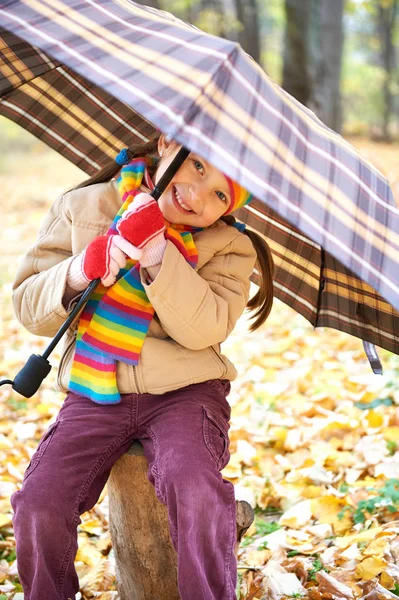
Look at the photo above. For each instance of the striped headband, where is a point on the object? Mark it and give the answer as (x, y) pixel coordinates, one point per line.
(239, 196)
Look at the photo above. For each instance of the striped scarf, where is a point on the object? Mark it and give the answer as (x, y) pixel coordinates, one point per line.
(115, 320)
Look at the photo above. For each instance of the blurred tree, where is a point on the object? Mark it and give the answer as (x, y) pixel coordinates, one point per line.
(371, 74)
(237, 20)
(387, 12)
(209, 15)
(152, 3)
(272, 20)
(248, 34)
(296, 71)
(313, 56)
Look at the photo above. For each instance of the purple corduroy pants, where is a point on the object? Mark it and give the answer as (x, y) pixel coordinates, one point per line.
(185, 438)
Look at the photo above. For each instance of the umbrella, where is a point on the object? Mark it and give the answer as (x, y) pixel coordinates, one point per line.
(89, 77)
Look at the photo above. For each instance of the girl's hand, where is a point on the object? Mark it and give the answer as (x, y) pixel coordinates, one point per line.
(142, 224)
(102, 259)
(142, 221)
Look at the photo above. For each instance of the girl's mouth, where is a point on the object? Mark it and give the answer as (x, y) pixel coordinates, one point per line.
(179, 203)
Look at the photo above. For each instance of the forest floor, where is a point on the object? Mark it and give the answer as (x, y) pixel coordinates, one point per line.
(314, 434)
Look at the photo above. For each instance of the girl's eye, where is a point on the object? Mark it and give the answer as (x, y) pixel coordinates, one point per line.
(221, 196)
(198, 165)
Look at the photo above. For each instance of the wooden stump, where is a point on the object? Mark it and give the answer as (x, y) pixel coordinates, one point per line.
(146, 562)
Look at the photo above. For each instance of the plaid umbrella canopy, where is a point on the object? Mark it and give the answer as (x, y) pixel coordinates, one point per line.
(89, 77)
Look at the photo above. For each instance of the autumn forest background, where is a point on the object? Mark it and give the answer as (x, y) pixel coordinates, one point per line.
(314, 434)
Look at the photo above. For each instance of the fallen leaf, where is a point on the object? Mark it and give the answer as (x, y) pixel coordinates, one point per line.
(370, 567)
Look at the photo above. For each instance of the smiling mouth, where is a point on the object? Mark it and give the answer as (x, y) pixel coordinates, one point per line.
(179, 203)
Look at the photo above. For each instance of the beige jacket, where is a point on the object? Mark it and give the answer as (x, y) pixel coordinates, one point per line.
(195, 309)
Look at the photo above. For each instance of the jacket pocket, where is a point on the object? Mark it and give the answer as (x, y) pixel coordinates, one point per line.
(216, 437)
(41, 449)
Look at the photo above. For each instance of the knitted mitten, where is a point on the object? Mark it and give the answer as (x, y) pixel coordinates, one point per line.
(103, 258)
(142, 224)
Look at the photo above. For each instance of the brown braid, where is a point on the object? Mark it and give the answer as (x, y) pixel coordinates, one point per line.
(262, 301)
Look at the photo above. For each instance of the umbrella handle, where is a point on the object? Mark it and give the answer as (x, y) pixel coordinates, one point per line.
(29, 378)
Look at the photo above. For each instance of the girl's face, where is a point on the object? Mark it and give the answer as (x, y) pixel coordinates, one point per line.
(198, 194)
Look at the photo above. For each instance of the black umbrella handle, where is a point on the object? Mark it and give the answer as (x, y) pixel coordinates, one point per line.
(170, 172)
(29, 378)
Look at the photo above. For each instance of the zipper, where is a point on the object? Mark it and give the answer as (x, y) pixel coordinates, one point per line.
(136, 381)
(219, 359)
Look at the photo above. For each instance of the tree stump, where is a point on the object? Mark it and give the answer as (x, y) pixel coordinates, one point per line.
(146, 562)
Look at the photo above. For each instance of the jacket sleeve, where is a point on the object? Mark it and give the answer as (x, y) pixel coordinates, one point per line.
(40, 281)
(200, 309)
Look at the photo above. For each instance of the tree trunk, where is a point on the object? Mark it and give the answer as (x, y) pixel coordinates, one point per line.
(386, 24)
(209, 16)
(296, 74)
(146, 562)
(325, 99)
(151, 3)
(313, 56)
(248, 36)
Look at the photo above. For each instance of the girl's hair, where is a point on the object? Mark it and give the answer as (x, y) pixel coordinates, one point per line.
(112, 169)
(262, 301)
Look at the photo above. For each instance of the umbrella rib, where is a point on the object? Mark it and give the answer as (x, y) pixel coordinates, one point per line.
(161, 34)
(235, 73)
(103, 106)
(296, 297)
(327, 172)
(179, 121)
(285, 201)
(281, 226)
(389, 206)
(50, 133)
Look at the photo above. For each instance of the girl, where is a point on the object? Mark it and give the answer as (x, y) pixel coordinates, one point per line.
(144, 363)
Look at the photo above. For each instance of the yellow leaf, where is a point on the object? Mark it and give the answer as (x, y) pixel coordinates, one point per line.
(356, 538)
(257, 557)
(391, 434)
(5, 443)
(387, 581)
(278, 433)
(370, 567)
(374, 419)
(366, 482)
(234, 468)
(295, 542)
(5, 520)
(98, 579)
(326, 510)
(92, 526)
(89, 555)
(377, 547)
(312, 491)
(45, 409)
(297, 516)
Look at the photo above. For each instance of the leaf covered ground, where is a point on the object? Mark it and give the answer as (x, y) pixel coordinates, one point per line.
(314, 434)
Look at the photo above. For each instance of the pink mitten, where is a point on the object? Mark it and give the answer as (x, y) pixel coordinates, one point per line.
(142, 224)
(102, 259)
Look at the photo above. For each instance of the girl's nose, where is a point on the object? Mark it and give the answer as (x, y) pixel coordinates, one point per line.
(197, 198)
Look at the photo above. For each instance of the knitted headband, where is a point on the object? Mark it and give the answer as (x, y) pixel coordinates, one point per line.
(239, 196)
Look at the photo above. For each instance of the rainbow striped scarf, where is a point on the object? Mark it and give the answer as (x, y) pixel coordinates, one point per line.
(115, 320)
